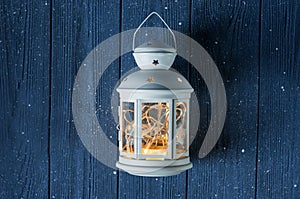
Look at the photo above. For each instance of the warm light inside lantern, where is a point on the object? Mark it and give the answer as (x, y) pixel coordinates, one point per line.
(155, 132)
(155, 128)
(128, 127)
(181, 127)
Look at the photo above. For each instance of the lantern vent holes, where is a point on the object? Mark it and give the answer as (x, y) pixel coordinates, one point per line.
(150, 79)
(155, 62)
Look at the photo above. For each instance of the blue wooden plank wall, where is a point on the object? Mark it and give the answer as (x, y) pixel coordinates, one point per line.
(255, 44)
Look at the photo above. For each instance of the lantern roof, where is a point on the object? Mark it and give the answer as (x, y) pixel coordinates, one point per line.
(155, 80)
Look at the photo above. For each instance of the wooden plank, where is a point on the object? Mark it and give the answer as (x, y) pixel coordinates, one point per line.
(177, 16)
(279, 138)
(229, 31)
(24, 79)
(77, 28)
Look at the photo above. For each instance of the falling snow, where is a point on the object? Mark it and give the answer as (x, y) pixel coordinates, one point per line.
(180, 23)
(243, 150)
(114, 172)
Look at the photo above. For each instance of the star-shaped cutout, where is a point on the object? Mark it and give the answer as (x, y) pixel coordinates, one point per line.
(155, 62)
(150, 79)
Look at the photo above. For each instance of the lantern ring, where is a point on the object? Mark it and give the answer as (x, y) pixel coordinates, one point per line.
(153, 13)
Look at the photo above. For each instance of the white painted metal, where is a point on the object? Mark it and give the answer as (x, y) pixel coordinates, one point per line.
(154, 55)
(152, 84)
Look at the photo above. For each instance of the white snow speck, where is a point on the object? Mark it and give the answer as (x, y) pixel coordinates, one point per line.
(114, 172)
(216, 42)
(156, 179)
(180, 23)
(295, 185)
(166, 8)
(22, 132)
(46, 3)
(284, 72)
(29, 105)
(243, 150)
(282, 88)
(110, 136)
(276, 49)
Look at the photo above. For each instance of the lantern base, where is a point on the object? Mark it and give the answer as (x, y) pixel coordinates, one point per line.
(154, 168)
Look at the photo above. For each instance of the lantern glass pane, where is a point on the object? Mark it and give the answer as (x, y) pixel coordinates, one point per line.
(181, 127)
(128, 127)
(155, 128)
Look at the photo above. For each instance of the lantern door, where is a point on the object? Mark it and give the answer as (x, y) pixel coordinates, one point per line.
(155, 129)
(127, 133)
(181, 129)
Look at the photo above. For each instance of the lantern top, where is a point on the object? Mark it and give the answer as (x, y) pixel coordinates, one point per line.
(154, 55)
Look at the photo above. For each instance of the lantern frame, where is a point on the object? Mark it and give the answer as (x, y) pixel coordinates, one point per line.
(155, 85)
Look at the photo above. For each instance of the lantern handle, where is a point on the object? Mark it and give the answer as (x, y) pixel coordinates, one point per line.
(152, 13)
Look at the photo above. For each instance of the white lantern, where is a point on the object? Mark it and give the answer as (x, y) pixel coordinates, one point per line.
(154, 113)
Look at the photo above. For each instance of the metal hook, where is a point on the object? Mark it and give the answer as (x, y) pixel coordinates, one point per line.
(152, 13)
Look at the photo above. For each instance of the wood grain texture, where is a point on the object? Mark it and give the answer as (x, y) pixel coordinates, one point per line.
(77, 28)
(24, 45)
(279, 138)
(255, 45)
(228, 30)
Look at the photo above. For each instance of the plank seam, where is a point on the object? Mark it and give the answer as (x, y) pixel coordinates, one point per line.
(119, 76)
(189, 76)
(49, 109)
(258, 95)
